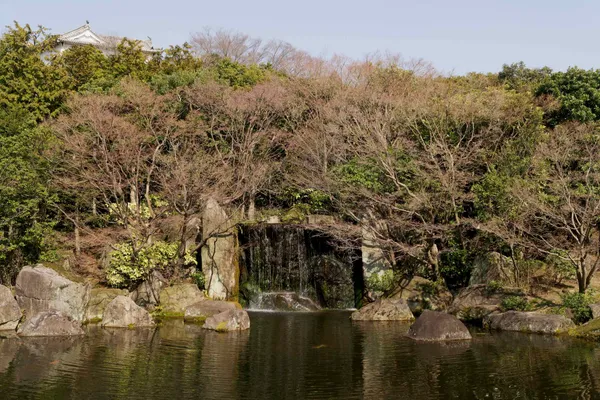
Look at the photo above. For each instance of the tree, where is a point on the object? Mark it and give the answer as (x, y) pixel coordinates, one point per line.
(561, 201)
(26, 80)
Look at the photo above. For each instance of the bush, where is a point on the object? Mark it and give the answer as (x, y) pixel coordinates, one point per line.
(199, 279)
(493, 287)
(515, 303)
(381, 282)
(579, 304)
(129, 264)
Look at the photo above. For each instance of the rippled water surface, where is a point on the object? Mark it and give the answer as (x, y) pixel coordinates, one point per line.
(295, 356)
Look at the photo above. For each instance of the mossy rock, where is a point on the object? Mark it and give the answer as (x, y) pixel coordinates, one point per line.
(589, 330)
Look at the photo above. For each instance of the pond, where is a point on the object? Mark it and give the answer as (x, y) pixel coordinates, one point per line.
(319, 355)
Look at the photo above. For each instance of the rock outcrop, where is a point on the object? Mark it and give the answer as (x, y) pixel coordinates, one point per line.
(531, 322)
(207, 308)
(219, 254)
(99, 299)
(122, 312)
(422, 294)
(491, 267)
(147, 293)
(227, 321)
(375, 263)
(174, 300)
(10, 313)
(41, 289)
(384, 310)
(283, 301)
(50, 323)
(438, 326)
(473, 303)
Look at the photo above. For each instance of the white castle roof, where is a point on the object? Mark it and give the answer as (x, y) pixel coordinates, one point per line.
(84, 35)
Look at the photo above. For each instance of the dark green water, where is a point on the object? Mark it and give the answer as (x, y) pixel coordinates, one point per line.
(296, 356)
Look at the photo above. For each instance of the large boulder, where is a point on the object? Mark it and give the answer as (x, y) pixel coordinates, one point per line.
(490, 267)
(474, 303)
(528, 322)
(283, 301)
(41, 289)
(384, 310)
(227, 321)
(10, 313)
(438, 326)
(147, 293)
(595, 310)
(50, 323)
(99, 299)
(174, 300)
(375, 264)
(122, 312)
(207, 308)
(422, 294)
(219, 254)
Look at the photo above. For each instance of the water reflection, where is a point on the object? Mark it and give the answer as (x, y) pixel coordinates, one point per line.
(295, 355)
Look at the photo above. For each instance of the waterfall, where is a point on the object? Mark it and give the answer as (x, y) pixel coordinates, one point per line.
(297, 266)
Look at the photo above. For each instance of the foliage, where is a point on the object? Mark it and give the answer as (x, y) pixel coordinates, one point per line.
(26, 81)
(579, 303)
(578, 92)
(517, 76)
(493, 287)
(131, 262)
(382, 281)
(515, 303)
(199, 279)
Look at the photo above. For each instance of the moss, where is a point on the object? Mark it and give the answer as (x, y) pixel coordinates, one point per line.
(196, 320)
(92, 321)
(222, 327)
(131, 326)
(591, 330)
(167, 315)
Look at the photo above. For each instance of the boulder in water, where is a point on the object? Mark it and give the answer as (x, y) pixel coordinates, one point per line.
(43, 289)
(227, 321)
(531, 322)
(99, 299)
(207, 308)
(175, 299)
(284, 301)
(10, 313)
(384, 310)
(438, 326)
(50, 323)
(147, 293)
(122, 312)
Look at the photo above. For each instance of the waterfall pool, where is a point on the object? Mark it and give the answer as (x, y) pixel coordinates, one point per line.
(308, 355)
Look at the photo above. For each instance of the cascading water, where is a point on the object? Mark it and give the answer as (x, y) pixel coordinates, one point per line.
(290, 267)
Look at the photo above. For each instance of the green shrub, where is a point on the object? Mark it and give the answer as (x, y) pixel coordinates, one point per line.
(579, 304)
(129, 264)
(515, 303)
(199, 279)
(381, 282)
(493, 287)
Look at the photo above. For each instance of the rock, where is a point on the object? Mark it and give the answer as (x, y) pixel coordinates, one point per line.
(528, 322)
(475, 302)
(207, 308)
(174, 300)
(219, 254)
(283, 301)
(589, 330)
(43, 289)
(384, 310)
(595, 310)
(422, 294)
(227, 321)
(491, 267)
(147, 293)
(50, 323)
(10, 313)
(122, 312)
(436, 326)
(99, 299)
(273, 219)
(373, 257)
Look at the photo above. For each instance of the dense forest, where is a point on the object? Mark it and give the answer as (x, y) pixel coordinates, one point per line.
(118, 154)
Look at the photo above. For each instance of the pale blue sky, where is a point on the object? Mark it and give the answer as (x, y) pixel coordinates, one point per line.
(459, 35)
